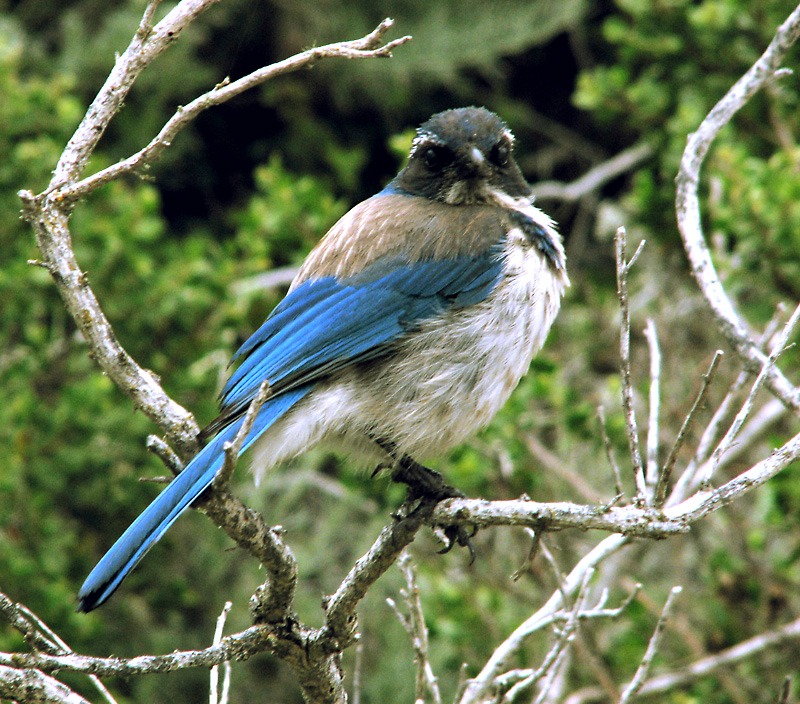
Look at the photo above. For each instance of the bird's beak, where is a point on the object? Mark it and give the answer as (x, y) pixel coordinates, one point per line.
(476, 164)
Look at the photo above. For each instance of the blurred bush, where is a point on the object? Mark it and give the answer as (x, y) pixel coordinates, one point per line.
(254, 184)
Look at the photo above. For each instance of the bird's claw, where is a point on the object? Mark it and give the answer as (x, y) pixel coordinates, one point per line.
(427, 486)
(458, 535)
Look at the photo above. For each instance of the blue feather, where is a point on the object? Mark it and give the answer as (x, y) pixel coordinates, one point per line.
(325, 323)
(156, 519)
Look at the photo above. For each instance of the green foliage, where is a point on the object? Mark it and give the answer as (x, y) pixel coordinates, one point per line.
(284, 218)
(670, 62)
(172, 284)
(755, 219)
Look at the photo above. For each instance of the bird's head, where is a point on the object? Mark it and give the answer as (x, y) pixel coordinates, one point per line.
(463, 156)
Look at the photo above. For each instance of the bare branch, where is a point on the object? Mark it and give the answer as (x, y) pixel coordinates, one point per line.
(414, 624)
(687, 206)
(165, 453)
(747, 406)
(623, 267)
(238, 647)
(40, 637)
(636, 683)
(652, 474)
(666, 472)
(214, 695)
(630, 520)
(783, 698)
(704, 502)
(668, 681)
(31, 685)
(340, 607)
(147, 44)
(232, 449)
(478, 688)
(609, 451)
(364, 48)
(594, 178)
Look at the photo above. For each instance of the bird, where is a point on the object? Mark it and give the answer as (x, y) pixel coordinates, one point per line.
(403, 333)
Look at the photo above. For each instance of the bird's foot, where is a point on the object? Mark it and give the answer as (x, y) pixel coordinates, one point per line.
(427, 486)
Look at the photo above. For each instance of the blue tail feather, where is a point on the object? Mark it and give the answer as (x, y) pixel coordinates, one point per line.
(156, 519)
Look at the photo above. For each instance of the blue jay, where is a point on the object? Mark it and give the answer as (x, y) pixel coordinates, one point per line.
(404, 332)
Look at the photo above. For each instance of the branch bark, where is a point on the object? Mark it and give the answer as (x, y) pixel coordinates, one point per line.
(687, 206)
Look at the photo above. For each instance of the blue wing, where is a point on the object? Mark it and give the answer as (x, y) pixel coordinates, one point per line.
(321, 326)
(325, 324)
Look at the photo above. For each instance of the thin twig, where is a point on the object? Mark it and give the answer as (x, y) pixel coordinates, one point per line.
(358, 667)
(214, 696)
(364, 48)
(528, 678)
(40, 637)
(478, 688)
(595, 178)
(536, 539)
(623, 267)
(609, 451)
(414, 624)
(655, 402)
(783, 697)
(630, 692)
(688, 422)
(668, 681)
(780, 343)
(165, 453)
(232, 449)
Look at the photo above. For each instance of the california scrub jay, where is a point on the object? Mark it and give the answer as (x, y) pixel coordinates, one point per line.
(404, 332)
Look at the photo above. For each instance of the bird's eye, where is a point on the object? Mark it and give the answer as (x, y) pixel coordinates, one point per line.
(500, 154)
(437, 157)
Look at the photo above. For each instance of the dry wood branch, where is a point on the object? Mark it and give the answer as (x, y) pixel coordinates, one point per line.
(623, 267)
(601, 415)
(652, 473)
(636, 683)
(713, 464)
(340, 607)
(594, 178)
(687, 206)
(630, 520)
(479, 688)
(364, 48)
(666, 472)
(232, 449)
(147, 44)
(33, 686)
(40, 637)
(668, 681)
(215, 696)
(414, 624)
(238, 647)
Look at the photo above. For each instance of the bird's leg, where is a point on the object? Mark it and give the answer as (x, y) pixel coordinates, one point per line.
(422, 481)
(426, 484)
